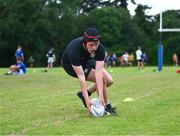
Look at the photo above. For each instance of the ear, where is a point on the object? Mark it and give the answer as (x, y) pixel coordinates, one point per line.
(85, 45)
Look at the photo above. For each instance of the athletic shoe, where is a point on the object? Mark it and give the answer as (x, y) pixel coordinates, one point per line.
(8, 74)
(109, 110)
(80, 95)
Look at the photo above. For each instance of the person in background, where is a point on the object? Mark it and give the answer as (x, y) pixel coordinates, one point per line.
(31, 61)
(175, 59)
(114, 59)
(17, 69)
(51, 58)
(125, 59)
(19, 53)
(131, 59)
(139, 58)
(144, 59)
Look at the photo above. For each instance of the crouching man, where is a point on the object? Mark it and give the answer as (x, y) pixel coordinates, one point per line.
(83, 59)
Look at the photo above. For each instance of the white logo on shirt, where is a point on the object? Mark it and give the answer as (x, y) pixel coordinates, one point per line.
(92, 55)
(85, 70)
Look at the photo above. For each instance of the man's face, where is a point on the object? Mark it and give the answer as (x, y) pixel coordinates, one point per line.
(92, 46)
(18, 61)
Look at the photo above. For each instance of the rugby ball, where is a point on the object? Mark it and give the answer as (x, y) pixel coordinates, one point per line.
(96, 109)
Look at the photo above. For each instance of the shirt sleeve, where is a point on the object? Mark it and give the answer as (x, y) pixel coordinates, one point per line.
(22, 54)
(74, 57)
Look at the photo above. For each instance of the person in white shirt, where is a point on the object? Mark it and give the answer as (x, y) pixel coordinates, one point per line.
(139, 58)
(125, 59)
(51, 58)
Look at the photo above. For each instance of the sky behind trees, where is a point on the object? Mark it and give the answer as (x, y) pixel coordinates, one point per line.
(157, 5)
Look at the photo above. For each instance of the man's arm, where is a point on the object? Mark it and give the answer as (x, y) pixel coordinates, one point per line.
(82, 82)
(22, 56)
(54, 57)
(99, 80)
(14, 68)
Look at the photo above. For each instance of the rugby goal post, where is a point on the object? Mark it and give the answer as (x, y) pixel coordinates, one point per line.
(161, 29)
(160, 48)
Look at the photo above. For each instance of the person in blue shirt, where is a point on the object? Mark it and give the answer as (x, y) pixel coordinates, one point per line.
(17, 69)
(19, 53)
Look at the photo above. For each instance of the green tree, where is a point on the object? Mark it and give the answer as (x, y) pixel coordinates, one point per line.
(87, 5)
(110, 22)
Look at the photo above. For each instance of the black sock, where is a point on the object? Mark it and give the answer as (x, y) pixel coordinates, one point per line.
(89, 93)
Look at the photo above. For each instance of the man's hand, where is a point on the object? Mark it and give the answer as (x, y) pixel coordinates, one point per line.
(88, 104)
(101, 101)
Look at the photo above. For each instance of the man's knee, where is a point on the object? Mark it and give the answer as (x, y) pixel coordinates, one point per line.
(110, 82)
(12, 66)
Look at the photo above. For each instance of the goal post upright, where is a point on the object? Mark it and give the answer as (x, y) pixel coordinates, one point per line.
(160, 48)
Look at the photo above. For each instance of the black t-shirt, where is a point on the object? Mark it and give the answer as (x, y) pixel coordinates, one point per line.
(50, 54)
(77, 55)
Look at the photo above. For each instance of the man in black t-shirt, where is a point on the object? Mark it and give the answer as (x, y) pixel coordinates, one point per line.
(84, 59)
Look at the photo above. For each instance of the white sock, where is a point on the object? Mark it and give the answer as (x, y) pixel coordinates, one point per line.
(107, 103)
(9, 72)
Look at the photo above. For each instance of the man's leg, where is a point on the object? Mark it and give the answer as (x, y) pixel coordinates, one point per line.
(108, 81)
(105, 91)
(11, 69)
(142, 65)
(139, 65)
(14, 68)
(92, 88)
(91, 77)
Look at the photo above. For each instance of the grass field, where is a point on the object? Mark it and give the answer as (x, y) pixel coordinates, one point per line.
(46, 104)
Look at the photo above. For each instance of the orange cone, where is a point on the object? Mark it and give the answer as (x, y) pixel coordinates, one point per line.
(178, 71)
